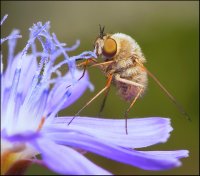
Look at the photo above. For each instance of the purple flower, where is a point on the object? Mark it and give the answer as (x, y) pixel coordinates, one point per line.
(31, 97)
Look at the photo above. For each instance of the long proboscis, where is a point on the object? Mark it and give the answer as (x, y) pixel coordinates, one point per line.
(176, 103)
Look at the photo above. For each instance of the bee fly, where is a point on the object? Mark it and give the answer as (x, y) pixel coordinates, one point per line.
(123, 66)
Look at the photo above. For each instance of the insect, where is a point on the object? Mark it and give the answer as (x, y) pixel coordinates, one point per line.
(123, 66)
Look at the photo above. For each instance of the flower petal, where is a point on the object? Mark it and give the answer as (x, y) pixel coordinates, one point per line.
(75, 91)
(139, 159)
(142, 132)
(176, 153)
(28, 69)
(65, 160)
(19, 137)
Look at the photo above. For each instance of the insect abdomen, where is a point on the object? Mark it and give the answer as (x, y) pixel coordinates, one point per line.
(127, 91)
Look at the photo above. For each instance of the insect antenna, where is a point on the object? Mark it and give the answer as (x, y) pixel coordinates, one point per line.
(101, 31)
(176, 103)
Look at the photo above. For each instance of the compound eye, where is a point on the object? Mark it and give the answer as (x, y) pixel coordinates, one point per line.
(110, 47)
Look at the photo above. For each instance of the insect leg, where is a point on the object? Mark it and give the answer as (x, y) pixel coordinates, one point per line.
(87, 62)
(84, 69)
(117, 77)
(131, 105)
(103, 63)
(103, 102)
(96, 64)
(176, 103)
(84, 64)
(99, 93)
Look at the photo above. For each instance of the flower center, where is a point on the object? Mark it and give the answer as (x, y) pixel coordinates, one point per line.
(9, 157)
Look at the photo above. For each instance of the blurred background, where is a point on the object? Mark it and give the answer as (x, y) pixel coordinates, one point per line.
(168, 33)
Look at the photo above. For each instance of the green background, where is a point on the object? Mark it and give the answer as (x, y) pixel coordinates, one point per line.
(168, 33)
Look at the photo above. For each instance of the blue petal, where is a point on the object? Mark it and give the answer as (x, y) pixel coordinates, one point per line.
(176, 153)
(74, 91)
(142, 132)
(65, 160)
(28, 69)
(139, 159)
(20, 137)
